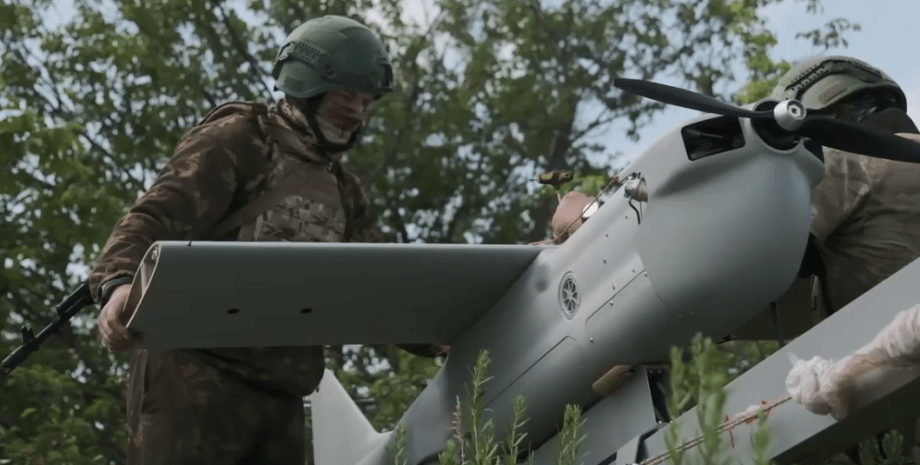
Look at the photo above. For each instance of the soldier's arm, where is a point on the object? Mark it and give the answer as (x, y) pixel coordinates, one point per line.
(192, 192)
(840, 196)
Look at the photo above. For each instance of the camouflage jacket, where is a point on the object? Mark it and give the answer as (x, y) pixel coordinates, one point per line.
(866, 222)
(238, 152)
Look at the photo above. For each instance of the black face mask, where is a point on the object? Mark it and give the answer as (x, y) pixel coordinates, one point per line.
(310, 107)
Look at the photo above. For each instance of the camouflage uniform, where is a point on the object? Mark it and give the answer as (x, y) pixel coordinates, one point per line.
(865, 210)
(866, 222)
(237, 405)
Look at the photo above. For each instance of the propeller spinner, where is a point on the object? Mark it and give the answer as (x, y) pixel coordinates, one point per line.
(791, 116)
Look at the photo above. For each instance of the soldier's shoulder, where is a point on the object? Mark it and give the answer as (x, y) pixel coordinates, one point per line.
(838, 160)
(232, 124)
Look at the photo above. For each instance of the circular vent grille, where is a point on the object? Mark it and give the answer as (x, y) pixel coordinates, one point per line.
(569, 297)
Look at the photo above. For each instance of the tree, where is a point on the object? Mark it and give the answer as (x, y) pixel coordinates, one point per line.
(490, 93)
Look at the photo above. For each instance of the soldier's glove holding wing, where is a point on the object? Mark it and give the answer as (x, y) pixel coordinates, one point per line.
(113, 322)
(568, 216)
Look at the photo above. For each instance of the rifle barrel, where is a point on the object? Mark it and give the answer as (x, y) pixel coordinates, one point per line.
(69, 307)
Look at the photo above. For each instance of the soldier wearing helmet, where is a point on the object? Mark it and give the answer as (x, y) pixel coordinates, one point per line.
(866, 210)
(247, 172)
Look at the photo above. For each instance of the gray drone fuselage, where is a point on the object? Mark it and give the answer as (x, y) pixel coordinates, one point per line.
(720, 237)
(717, 235)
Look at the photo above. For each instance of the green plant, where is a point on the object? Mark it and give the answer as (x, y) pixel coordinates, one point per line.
(570, 438)
(511, 450)
(474, 442)
(889, 452)
(760, 441)
(698, 381)
(701, 382)
(399, 456)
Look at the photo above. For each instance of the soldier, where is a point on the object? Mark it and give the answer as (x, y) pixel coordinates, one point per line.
(866, 210)
(247, 172)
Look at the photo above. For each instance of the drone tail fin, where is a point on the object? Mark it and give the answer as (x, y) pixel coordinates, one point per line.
(342, 435)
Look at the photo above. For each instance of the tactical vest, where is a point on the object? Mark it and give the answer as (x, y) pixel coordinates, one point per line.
(298, 199)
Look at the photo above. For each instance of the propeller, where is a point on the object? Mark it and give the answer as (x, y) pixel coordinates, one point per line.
(685, 98)
(791, 116)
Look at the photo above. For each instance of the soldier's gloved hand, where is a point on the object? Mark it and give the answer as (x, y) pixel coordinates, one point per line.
(567, 218)
(113, 321)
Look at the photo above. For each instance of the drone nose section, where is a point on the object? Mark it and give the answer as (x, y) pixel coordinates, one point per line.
(729, 231)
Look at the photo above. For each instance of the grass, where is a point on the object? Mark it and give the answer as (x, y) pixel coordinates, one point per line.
(698, 382)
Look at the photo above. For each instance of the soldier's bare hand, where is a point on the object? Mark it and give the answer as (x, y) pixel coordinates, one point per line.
(113, 321)
(568, 214)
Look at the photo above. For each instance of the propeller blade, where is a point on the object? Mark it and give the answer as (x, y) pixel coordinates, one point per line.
(829, 132)
(856, 138)
(685, 98)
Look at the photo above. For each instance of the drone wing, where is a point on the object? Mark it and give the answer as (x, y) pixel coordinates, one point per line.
(238, 294)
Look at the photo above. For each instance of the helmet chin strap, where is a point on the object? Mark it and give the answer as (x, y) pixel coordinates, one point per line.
(311, 107)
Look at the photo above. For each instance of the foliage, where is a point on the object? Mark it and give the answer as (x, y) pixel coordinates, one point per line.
(696, 381)
(473, 440)
(699, 383)
(888, 452)
(570, 437)
(766, 73)
(96, 93)
(399, 454)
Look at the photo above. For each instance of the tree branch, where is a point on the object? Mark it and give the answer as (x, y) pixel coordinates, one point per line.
(242, 49)
(400, 222)
(410, 103)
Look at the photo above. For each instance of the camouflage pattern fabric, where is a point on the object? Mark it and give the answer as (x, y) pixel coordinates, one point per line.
(866, 220)
(298, 218)
(182, 411)
(212, 406)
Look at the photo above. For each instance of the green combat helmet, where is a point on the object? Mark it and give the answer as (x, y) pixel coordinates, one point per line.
(332, 53)
(820, 82)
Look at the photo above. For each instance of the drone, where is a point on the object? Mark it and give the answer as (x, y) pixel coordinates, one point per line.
(717, 243)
